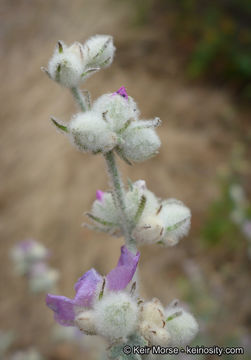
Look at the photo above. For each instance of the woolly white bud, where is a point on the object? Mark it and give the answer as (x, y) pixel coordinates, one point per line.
(154, 334)
(89, 133)
(86, 322)
(104, 213)
(177, 218)
(153, 313)
(149, 230)
(26, 253)
(140, 144)
(67, 64)
(116, 109)
(99, 51)
(43, 279)
(140, 185)
(116, 315)
(182, 328)
(134, 197)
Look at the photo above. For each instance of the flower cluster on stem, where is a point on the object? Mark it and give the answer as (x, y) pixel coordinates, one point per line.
(110, 305)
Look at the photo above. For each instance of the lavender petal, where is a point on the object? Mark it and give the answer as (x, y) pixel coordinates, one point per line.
(63, 308)
(86, 287)
(119, 278)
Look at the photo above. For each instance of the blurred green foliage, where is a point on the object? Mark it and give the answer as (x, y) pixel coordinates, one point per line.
(219, 225)
(229, 214)
(213, 35)
(219, 34)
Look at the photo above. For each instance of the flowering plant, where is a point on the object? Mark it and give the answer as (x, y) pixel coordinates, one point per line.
(110, 306)
(30, 259)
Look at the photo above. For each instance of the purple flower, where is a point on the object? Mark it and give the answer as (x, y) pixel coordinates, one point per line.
(122, 92)
(87, 287)
(99, 195)
(32, 248)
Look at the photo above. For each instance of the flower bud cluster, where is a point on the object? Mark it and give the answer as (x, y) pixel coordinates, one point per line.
(173, 326)
(152, 220)
(30, 259)
(71, 65)
(112, 124)
(108, 306)
(103, 305)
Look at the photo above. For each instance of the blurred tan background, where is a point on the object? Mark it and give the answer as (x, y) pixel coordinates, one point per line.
(46, 185)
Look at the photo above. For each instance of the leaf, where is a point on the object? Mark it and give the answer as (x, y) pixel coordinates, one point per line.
(58, 125)
(99, 220)
(100, 52)
(122, 156)
(102, 290)
(104, 63)
(60, 47)
(92, 70)
(58, 73)
(147, 124)
(141, 208)
(177, 225)
(125, 126)
(176, 314)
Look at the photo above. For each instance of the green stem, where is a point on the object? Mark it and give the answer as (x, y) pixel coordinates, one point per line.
(119, 199)
(78, 96)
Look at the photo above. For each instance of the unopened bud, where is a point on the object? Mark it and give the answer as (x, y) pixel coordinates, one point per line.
(182, 328)
(86, 322)
(67, 64)
(140, 144)
(153, 313)
(149, 230)
(89, 133)
(154, 334)
(116, 315)
(117, 110)
(177, 218)
(99, 51)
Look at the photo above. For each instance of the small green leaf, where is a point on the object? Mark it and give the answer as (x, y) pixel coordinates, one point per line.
(100, 52)
(125, 126)
(177, 225)
(58, 125)
(87, 72)
(102, 290)
(58, 73)
(104, 63)
(141, 208)
(60, 47)
(100, 221)
(122, 156)
(174, 316)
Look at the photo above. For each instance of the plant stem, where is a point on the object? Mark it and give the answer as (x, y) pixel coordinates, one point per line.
(119, 198)
(116, 182)
(78, 96)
